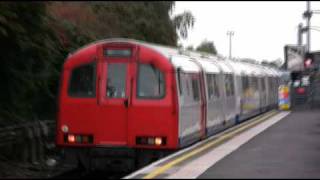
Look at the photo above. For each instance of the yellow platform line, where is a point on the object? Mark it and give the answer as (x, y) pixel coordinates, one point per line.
(217, 141)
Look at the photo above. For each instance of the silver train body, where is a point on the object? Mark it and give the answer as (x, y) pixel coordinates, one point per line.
(233, 91)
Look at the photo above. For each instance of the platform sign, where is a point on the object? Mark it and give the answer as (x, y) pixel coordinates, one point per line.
(294, 57)
(284, 97)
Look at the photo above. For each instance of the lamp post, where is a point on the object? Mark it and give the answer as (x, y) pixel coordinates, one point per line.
(230, 34)
(307, 14)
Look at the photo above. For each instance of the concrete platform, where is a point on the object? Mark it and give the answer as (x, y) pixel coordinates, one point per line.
(289, 149)
(198, 160)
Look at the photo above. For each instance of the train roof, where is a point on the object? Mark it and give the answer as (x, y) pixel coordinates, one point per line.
(189, 61)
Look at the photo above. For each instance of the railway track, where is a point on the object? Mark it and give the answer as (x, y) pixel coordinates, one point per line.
(79, 173)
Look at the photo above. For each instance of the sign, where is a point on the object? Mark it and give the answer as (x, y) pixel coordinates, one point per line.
(284, 97)
(123, 53)
(294, 57)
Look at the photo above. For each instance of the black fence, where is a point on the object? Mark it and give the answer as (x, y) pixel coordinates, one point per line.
(306, 96)
(26, 142)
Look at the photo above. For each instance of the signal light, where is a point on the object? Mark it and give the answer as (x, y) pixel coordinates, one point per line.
(308, 62)
(301, 90)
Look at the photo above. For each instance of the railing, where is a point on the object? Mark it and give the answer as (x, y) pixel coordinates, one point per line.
(26, 142)
(27, 130)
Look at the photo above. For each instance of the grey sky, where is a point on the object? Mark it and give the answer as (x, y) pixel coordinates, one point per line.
(261, 28)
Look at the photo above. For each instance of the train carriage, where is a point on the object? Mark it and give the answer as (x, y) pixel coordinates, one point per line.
(125, 95)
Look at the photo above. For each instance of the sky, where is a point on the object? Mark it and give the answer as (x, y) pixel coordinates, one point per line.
(261, 29)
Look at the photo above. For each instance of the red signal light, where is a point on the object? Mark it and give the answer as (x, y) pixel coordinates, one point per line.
(301, 90)
(308, 63)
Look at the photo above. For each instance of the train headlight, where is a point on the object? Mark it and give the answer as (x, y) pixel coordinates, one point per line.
(65, 128)
(71, 138)
(158, 141)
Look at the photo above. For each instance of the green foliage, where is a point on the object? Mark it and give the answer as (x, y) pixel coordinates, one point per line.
(28, 45)
(207, 46)
(190, 48)
(183, 22)
(36, 37)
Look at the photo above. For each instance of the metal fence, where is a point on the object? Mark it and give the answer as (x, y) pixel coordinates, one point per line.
(26, 142)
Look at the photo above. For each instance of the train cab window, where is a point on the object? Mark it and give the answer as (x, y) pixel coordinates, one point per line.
(150, 82)
(116, 80)
(82, 81)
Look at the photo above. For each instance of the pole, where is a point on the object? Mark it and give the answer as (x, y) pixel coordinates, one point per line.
(300, 34)
(308, 25)
(230, 34)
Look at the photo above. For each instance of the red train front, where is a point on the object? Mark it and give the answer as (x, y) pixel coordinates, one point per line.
(117, 94)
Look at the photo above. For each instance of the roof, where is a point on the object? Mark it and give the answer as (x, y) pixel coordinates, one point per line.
(191, 61)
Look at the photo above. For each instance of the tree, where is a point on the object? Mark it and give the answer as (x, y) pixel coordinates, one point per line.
(190, 48)
(146, 21)
(36, 37)
(207, 46)
(30, 50)
(277, 63)
(183, 22)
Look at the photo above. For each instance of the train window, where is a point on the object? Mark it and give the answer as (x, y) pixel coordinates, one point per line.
(254, 83)
(82, 81)
(187, 81)
(271, 83)
(116, 82)
(229, 84)
(179, 73)
(263, 84)
(195, 89)
(245, 84)
(213, 90)
(216, 87)
(150, 82)
(232, 85)
(210, 86)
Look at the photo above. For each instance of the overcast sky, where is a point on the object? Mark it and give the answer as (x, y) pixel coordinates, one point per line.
(261, 29)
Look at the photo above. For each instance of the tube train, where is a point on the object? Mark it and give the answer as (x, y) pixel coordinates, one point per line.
(126, 98)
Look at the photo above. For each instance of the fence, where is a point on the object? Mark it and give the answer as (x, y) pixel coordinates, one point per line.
(26, 142)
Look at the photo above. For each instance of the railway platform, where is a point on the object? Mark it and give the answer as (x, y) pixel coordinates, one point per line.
(277, 144)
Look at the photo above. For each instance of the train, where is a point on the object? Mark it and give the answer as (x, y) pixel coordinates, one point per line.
(124, 100)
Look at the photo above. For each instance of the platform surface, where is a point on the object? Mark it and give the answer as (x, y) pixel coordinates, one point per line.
(275, 145)
(288, 149)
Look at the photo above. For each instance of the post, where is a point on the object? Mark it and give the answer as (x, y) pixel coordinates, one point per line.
(308, 16)
(300, 31)
(230, 34)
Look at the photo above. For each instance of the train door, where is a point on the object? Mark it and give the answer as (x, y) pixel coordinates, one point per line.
(117, 66)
